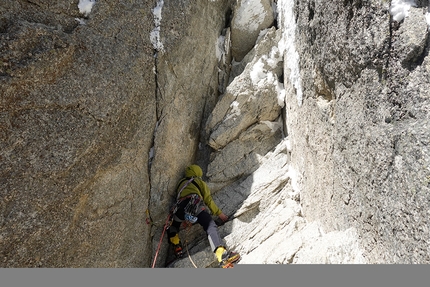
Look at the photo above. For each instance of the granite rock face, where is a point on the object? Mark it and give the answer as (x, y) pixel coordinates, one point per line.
(351, 183)
(363, 149)
(98, 124)
(313, 136)
(187, 91)
(267, 225)
(246, 121)
(76, 120)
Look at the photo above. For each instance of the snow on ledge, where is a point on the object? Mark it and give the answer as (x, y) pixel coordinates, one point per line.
(399, 9)
(85, 6)
(155, 33)
(428, 18)
(287, 45)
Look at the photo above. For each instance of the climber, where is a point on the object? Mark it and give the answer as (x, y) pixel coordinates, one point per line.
(193, 198)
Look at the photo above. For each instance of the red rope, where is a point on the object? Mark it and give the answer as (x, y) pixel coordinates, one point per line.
(161, 239)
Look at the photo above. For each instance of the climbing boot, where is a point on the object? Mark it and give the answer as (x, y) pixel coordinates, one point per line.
(177, 245)
(177, 248)
(228, 258)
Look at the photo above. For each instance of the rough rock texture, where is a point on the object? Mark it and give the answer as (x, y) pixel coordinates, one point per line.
(246, 122)
(315, 144)
(362, 151)
(352, 186)
(187, 90)
(250, 98)
(412, 37)
(240, 157)
(76, 124)
(85, 112)
(266, 223)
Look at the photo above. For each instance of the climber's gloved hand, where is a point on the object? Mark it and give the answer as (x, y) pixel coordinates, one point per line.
(223, 217)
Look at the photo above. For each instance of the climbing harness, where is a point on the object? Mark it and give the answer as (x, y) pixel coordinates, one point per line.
(192, 208)
(190, 218)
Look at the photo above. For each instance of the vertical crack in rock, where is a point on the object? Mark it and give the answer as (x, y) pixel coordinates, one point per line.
(79, 113)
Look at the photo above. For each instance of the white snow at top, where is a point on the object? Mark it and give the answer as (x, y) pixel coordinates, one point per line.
(219, 47)
(428, 18)
(155, 33)
(157, 12)
(261, 76)
(85, 6)
(235, 111)
(287, 45)
(262, 34)
(399, 9)
(258, 72)
(250, 15)
(281, 94)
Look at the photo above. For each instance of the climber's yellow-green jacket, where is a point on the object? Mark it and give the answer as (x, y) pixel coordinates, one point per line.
(196, 172)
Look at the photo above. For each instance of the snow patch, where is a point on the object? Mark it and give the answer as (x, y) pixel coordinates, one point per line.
(428, 18)
(81, 21)
(294, 175)
(261, 75)
(275, 56)
(287, 45)
(399, 9)
(281, 94)
(235, 110)
(261, 34)
(258, 72)
(151, 153)
(85, 6)
(155, 33)
(220, 47)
